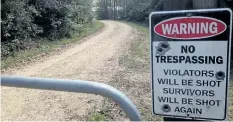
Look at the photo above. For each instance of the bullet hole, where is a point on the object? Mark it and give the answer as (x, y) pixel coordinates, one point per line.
(164, 45)
(166, 108)
(160, 49)
(220, 75)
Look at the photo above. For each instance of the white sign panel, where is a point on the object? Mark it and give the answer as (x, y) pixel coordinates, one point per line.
(190, 62)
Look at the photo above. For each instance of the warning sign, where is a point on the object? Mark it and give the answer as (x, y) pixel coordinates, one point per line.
(190, 62)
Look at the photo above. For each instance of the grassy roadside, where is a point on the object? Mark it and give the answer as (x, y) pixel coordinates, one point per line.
(132, 79)
(136, 77)
(141, 28)
(45, 47)
(230, 108)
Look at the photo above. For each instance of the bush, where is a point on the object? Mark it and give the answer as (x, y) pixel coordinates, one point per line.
(24, 21)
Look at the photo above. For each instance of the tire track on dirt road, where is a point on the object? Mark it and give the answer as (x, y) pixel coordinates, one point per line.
(96, 59)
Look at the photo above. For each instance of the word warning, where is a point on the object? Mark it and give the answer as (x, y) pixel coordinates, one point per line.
(190, 62)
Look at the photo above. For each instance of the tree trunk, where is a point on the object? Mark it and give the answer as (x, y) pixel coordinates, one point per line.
(205, 4)
(114, 9)
(169, 5)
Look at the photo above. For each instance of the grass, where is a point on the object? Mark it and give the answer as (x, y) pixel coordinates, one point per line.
(139, 57)
(230, 108)
(46, 47)
(139, 49)
(135, 59)
(141, 28)
(133, 78)
(96, 117)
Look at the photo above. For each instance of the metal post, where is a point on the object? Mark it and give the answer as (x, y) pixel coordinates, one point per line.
(205, 4)
(77, 86)
(169, 5)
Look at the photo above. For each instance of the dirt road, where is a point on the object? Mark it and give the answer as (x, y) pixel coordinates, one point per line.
(95, 59)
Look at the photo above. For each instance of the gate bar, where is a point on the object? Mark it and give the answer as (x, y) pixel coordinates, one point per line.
(77, 86)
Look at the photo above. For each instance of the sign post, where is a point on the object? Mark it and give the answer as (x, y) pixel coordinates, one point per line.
(190, 63)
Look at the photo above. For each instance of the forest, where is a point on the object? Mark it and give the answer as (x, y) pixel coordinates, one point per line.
(138, 10)
(26, 22)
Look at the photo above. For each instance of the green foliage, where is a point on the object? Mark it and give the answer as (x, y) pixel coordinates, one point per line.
(131, 10)
(96, 117)
(103, 10)
(17, 20)
(139, 10)
(43, 46)
(17, 24)
(26, 21)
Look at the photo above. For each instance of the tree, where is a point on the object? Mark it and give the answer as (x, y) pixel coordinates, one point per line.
(138, 10)
(27, 20)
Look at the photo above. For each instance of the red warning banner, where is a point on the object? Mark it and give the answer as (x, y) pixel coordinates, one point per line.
(195, 27)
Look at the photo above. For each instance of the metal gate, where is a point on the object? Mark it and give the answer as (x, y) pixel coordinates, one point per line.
(77, 86)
